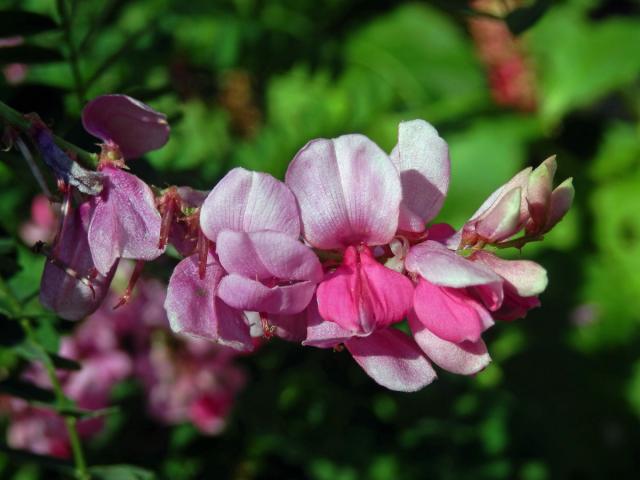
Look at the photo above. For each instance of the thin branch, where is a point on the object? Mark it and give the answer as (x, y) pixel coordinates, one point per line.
(74, 61)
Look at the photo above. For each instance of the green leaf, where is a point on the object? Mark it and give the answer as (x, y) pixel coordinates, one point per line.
(523, 18)
(29, 54)
(19, 22)
(120, 472)
(28, 352)
(27, 391)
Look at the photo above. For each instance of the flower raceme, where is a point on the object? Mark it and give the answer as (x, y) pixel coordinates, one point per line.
(339, 254)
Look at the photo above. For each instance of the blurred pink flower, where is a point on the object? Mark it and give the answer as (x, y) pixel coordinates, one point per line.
(43, 223)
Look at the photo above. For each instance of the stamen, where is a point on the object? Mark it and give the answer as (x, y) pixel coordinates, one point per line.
(132, 283)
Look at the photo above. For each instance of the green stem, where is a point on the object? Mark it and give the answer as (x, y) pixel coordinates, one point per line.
(70, 422)
(74, 62)
(18, 120)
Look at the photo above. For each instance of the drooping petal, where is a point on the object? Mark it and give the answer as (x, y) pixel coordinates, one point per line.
(362, 295)
(452, 314)
(266, 255)
(125, 221)
(464, 358)
(133, 126)
(422, 158)
(194, 309)
(246, 201)
(244, 293)
(68, 285)
(527, 277)
(443, 267)
(393, 360)
(515, 306)
(348, 191)
(322, 333)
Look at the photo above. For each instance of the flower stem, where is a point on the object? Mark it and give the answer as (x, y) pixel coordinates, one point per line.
(70, 422)
(18, 121)
(74, 62)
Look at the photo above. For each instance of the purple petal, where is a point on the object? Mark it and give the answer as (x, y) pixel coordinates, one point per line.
(422, 158)
(267, 255)
(125, 223)
(290, 327)
(348, 190)
(464, 358)
(363, 295)
(246, 294)
(194, 309)
(393, 360)
(246, 201)
(68, 296)
(452, 314)
(133, 126)
(443, 267)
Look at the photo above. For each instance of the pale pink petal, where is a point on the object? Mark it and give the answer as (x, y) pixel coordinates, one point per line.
(452, 314)
(135, 127)
(363, 295)
(521, 179)
(464, 358)
(444, 267)
(348, 191)
(503, 219)
(393, 360)
(246, 294)
(322, 333)
(527, 277)
(194, 309)
(125, 222)
(561, 200)
(422, 158)
(267, 255)
(246, 201)
(69, 286)
(539, 190)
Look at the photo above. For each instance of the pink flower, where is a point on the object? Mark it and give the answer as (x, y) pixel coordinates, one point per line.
(256, 263)
(71, 285)
(350, 195)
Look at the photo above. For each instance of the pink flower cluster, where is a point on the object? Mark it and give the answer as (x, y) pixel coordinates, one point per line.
(339, 254)
(184, 381)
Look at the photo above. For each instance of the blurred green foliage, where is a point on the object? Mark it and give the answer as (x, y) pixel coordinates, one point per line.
(249, 82)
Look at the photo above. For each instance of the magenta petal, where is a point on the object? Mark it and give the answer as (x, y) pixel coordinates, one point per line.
(125, 221)
(70, 297)
(452, 314)
(135, 127)
(362, 295)
(527, 277)
(443, 267)
(393, 360)
(194, 309)
(422, 158)
(267, 255)
(246, 294)
(348, 190)
(246, 201)
(464, 358)
(322, 333)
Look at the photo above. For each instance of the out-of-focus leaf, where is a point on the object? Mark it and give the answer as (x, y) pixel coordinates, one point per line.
(26, 282)
(20, 22)
(29, 54)
(619, 153)
(120, 472)
(523, 18)
(27, 391)
(8, 264)
(580, 61)
(28, 352)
